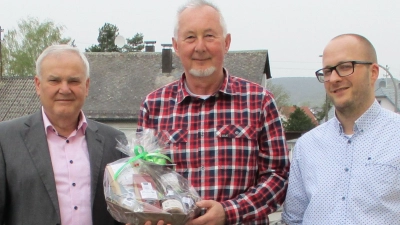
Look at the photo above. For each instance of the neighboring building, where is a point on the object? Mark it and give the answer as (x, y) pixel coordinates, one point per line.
(385, 94)
(290, 145)
(17, 97)
(286, 111)
(120, 81)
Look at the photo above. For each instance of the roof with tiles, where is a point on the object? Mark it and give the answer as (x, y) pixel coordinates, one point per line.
(120, 81)
(286, 111)
(387, 90)
(17, 97)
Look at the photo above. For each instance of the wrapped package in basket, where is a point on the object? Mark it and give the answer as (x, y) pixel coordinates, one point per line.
(144, 187)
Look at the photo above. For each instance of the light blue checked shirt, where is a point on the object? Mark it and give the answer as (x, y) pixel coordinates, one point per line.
(336, 179)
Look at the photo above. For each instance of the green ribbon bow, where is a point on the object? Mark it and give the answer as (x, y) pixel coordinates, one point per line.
(154, 157)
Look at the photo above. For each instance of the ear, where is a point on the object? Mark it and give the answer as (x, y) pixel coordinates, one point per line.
(175, 45)
(37, 85)
(374, 72)
(87, 86)
(227, 42)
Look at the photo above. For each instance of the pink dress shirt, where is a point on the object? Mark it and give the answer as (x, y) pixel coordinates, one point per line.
(71, 167)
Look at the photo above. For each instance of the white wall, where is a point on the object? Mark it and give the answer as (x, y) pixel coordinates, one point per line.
(127, 127)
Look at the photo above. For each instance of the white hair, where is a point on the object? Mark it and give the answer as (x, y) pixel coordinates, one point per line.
(193, 4)
(58, 49)
(202, 73)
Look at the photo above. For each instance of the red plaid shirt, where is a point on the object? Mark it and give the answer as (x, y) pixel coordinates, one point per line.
(231, 146)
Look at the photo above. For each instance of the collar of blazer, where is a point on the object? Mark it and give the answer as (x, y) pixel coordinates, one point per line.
(40, 155)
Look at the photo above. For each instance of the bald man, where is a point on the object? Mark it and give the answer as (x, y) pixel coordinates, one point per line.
(347, 170)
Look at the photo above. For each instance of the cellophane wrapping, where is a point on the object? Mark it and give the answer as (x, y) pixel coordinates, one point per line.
(136, 186)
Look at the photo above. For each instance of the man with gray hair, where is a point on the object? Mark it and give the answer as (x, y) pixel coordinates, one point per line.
(52, 162)
(224, 132)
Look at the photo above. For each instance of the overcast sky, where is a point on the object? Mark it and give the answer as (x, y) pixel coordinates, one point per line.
(294, 32)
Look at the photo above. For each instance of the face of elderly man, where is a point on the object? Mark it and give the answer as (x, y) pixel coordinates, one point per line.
(62, 85)
(200, 43)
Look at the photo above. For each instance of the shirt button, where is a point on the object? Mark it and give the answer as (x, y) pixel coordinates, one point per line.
(346, 169)
(76, 207)
(70, 161)
(202, 167)
(343, 198)
(67, 141)
(73, 184)
(349, 141)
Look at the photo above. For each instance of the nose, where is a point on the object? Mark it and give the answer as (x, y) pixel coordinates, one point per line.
(64, 88)
(200, 45)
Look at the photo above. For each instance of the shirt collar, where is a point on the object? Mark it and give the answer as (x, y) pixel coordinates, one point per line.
(364, 121)
(81, 125)
(183, 93)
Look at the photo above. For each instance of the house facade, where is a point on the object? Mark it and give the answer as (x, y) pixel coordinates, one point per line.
(386, 92)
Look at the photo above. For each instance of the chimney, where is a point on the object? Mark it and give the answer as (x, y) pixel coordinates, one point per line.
(166, 60)
(149, 46)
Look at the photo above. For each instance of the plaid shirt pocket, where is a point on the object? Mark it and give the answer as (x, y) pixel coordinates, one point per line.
(236, 131)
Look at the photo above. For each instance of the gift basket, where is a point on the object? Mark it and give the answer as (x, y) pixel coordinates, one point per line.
(145, 187)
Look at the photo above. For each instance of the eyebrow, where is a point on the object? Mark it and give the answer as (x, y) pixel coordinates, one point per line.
(53, 77)
(205, 31)
(329, 67)
(68, 78)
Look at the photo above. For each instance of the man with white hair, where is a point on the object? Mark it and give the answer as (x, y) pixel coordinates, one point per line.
(224, 132)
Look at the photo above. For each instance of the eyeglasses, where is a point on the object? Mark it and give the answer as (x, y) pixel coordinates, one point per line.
(343, 69)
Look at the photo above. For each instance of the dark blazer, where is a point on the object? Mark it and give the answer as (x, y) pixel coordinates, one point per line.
(28, 192)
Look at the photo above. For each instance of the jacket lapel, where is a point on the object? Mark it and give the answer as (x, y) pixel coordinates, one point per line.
(36, 142)
(95, 143)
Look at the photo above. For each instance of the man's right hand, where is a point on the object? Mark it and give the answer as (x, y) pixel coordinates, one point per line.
(161, 222)
(215, 214)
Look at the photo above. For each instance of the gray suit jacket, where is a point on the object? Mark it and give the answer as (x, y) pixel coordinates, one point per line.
(28, 192)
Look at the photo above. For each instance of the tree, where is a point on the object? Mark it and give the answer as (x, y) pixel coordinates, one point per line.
(135, 44)
(280, 96)
(106, 39)
(298, 121)
(22, 46)
(323, 113)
